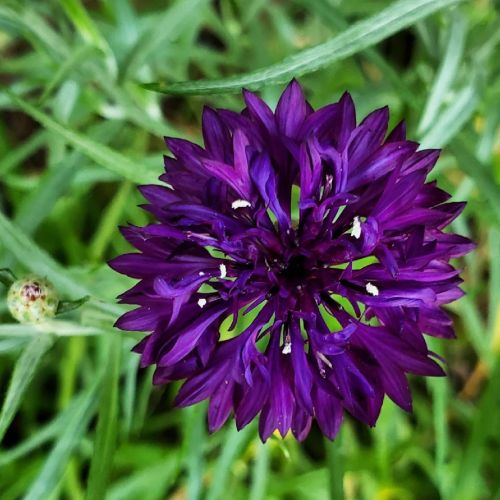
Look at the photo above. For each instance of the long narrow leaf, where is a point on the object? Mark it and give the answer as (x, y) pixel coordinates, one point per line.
(57, 460)
(361, 35)
(105, 440)
(22, 375)
(101, 154)
(233, 446)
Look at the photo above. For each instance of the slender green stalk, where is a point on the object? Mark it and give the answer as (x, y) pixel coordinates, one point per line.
(335, 466)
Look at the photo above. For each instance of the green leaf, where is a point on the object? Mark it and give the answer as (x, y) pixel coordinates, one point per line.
(12, 159)
(7, 277)
(110, 218)
(453, 118)
(27, 252)
(177, 17)
(54, 327)
(44, 434)
(486, 421)
(51, 186)
(361, 35)
(260, 472)
(89, 31)
(57, 460)
(234, 443)
(335, 463)
(148, 483)
(23, 373)
(70, 305)
(479, 173)
(439, 389)
(74, 60)
(101, 154)
(447, 71)
(105, 440)
(12, 344)
(194, 442)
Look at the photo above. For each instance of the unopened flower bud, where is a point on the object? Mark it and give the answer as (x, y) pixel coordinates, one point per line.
(32, 299)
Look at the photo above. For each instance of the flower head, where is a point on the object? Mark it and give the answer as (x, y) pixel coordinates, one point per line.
(320, 242)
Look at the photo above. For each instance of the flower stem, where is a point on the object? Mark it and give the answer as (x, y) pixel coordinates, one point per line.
(334, 458)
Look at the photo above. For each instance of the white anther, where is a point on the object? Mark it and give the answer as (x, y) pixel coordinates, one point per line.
(287, 348)
(356, 228)
(202, 302)
(372, 289)
(201, 273)
(325, 360)
(240, 204)
(223, 271)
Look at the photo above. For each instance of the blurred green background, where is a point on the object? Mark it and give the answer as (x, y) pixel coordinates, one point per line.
(77, 132)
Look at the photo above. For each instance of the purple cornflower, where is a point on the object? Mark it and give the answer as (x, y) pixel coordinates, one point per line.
(297, 261)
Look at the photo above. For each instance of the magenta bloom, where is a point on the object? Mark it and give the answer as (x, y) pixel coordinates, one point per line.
(320, 242)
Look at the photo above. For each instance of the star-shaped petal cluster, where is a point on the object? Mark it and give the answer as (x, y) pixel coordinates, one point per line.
(296, 262)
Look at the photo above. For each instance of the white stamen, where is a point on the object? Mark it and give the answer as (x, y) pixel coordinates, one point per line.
(287, 348)
(372, 289)
(240, 204)
(202, 302)
(223, 271)
(356, 228)
(325, 360)
(201, 273)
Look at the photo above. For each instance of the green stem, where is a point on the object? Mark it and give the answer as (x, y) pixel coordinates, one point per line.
(334, 458)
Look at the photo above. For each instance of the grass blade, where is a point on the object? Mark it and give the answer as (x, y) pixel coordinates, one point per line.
(12, 344)
(57, 460)
(453, 118)
(48, 432)
(101, 154)
(361, 35)
(260, 473)
(335, 467)
(446, 72)
(233, 446)
(194, 441)
(56, 327)
(23, 373)
(479, 173)
(105, 439)
(486, 421)
(177, 17)
(26, 251)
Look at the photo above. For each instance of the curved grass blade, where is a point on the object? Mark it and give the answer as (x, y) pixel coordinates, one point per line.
(101, 154)
(361, 35)
(23, 373)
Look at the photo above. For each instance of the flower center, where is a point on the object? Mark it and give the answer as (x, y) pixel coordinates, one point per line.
(295, 271)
